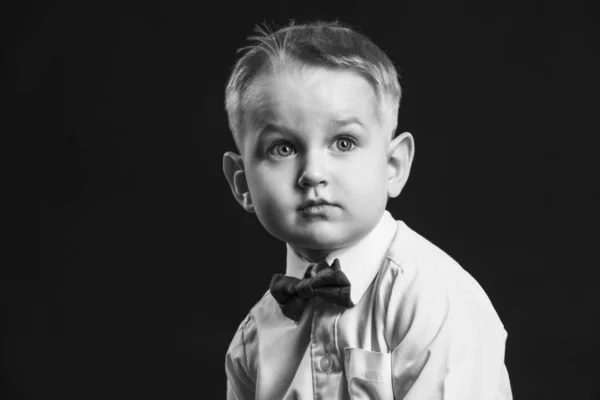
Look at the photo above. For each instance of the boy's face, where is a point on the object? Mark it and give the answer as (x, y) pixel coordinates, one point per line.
(315, 137)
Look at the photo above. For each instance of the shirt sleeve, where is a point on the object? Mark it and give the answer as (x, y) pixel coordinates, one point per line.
(449, 345)
(241, 380)
(476, 369)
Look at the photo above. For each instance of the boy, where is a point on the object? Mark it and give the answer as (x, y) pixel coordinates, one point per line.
(367, 308)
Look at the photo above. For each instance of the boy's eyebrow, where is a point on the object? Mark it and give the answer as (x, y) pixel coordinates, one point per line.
(346, 121)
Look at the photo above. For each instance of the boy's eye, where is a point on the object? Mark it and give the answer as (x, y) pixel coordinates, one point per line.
(345, 144)
(281, 150)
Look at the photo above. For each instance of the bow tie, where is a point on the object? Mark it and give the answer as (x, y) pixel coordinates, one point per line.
(293, 294)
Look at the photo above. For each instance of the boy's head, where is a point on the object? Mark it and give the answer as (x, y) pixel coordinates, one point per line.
(313, 111)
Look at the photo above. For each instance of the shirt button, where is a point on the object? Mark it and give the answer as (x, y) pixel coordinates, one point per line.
(326, 363)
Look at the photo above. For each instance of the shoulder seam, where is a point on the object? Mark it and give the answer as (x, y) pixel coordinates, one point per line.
(244, 344)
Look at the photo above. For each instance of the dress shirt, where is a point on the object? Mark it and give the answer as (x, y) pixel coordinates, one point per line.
(420, 328)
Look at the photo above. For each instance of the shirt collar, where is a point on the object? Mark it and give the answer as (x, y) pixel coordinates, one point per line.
(360, 262)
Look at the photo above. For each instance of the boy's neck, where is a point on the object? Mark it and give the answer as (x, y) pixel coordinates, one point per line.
(312, 255)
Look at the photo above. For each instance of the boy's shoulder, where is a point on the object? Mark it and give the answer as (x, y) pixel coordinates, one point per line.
(427, 272)
(244, 344)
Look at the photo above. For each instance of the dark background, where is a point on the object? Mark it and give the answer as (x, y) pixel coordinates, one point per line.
(126, 230)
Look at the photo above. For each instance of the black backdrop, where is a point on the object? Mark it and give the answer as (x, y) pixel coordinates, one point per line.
(116, 129)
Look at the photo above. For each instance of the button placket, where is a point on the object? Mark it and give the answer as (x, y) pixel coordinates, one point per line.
(326, 368)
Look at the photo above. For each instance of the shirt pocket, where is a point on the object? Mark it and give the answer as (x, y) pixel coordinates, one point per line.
(369, 374)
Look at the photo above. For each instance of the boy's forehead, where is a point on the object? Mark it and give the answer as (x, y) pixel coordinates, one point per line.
(323, 95)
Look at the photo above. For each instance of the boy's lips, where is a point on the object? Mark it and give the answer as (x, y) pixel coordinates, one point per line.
(317, 208)
(315, 203)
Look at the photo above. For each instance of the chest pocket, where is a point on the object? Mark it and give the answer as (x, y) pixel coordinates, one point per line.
(369, 374)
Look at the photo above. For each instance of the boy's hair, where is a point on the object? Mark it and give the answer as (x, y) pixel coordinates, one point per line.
(319, 44)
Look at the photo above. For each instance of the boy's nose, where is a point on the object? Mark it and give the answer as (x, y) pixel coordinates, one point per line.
(312, 173)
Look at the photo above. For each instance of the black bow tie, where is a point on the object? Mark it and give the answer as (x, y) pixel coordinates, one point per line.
(293, 294)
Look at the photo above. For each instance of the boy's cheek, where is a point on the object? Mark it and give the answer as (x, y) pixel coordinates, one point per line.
(366, 168)
(274, 175)
(267, 186)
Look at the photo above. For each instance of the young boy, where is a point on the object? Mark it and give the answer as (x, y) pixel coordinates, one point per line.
(367, 308)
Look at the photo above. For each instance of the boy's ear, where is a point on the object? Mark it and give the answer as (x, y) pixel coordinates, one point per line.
(401, 152)
(233, 168)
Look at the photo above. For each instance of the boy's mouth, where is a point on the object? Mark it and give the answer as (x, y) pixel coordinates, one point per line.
(315, 206)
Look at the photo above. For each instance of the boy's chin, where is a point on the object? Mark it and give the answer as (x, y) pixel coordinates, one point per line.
(321, 243)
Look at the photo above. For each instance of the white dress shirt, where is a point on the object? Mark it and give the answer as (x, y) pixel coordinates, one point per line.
(420, 328)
